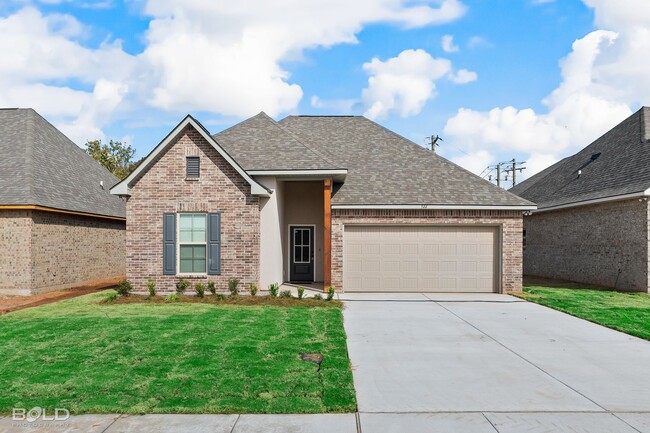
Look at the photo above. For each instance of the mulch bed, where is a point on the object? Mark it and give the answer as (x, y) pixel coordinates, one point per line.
(228, 300)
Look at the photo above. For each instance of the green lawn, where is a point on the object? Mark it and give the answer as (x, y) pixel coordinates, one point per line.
(626, 312)
(173, 358)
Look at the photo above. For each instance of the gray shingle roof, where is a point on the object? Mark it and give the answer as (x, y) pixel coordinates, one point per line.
(260, 143)
(41, 166)
(617, 163)
(385, 168)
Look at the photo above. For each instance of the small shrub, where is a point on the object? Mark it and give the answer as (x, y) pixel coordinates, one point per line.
(112, 296)
(330, 293)
(318, 296)
(219, 297)
(182, 286)
(124, 288)
(199, 288)
(285, 294)
(252, 287)
(212, 287)
(151, 287)
(301, 292)
(173, 297)
(233, 284)
(274, 289)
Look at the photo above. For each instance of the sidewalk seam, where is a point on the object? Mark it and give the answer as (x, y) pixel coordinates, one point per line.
(111, 424)
(235, 423)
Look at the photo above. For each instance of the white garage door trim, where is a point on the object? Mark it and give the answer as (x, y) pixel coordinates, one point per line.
(498, 251)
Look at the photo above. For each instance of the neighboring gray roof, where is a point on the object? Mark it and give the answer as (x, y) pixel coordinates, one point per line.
(387, 169)
(260, 143)
(41, 166)
(620, 165)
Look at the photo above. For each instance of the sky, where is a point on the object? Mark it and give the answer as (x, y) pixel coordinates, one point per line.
(534, 80)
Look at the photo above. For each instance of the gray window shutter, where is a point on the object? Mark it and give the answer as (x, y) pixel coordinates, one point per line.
(192, 166)
(169, 244)
(214, 243)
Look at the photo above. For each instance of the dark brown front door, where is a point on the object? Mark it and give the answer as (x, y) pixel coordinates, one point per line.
(301, 254)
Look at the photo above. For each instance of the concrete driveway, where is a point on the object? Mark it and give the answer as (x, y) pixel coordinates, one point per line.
(424, 362)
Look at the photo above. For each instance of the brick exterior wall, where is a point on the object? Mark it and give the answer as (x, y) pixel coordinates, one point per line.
(589, 244)
(163, 188)
(43, 251)
(15, 251)
(509, 221)
(69, 250)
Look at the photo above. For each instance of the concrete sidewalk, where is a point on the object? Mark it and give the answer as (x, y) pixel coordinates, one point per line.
(447, 422)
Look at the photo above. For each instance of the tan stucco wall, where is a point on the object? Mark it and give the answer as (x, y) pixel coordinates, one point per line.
(271, 222)
(589, 244)
(15, 251)
(303, 204)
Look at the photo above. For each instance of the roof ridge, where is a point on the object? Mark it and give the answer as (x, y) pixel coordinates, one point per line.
(295, 137)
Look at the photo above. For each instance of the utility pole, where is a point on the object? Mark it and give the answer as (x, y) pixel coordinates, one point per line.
(434, 142)
(513, 166)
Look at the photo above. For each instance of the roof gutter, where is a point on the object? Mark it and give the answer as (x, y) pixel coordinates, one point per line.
(433, 206)
(337, 174)
(631, 196)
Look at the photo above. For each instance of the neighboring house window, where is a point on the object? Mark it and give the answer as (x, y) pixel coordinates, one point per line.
(192, 243)
(192, 166)
(524, 238)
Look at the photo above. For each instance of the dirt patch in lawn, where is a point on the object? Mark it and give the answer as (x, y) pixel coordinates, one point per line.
(9, 303)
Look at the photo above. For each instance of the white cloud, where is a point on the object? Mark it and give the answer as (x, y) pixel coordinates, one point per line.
(448, 45)
(463, 76)
(344, 106)
(403, 83)
(220, 57)
(479, 41)
(603, 78)
(40, 49)
(235, 48)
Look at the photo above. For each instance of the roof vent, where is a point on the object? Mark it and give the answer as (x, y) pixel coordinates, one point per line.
(594, 156)
(645, 123)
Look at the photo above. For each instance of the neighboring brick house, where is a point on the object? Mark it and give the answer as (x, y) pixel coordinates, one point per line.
(338, 200)
(592, 222)
(59, 225)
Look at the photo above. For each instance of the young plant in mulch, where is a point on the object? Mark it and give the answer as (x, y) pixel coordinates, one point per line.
(274, 289)
(233, 286)
(318, 297)
(151, 287)
(301, 292)
(212, 287)
(181, 286)
(330, 293)
(124, 288)
(285, 294)
(173, 297)
(252, 288)
(199, 288)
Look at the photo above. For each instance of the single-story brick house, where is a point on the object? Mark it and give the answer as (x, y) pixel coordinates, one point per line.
(334, 199)
(59, 225)
(591, 225)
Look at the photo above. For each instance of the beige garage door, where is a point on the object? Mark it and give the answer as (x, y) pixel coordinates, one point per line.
(420, 258)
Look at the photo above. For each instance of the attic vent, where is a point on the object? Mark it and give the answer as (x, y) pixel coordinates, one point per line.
(594, 156)
(192, 166)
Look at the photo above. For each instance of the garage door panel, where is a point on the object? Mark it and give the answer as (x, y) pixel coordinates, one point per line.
(420, 258)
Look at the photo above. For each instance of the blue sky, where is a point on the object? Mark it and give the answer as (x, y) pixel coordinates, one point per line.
(513, 81)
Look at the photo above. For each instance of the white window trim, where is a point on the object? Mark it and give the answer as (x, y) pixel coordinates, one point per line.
(178, 245)
(289, 256)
